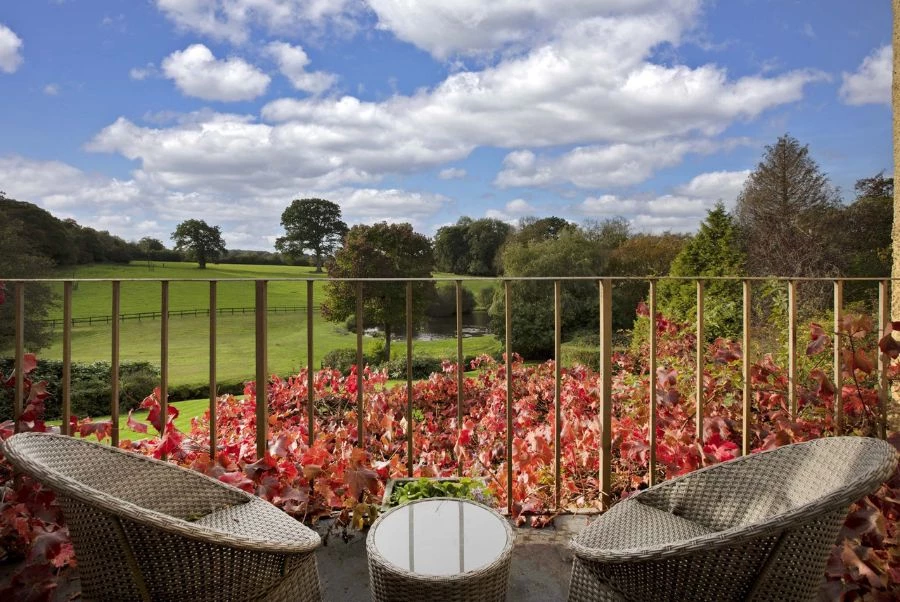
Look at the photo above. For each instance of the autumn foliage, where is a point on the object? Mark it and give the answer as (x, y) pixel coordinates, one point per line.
(334, 475)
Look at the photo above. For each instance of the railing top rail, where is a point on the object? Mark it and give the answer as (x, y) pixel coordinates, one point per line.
(477, 278)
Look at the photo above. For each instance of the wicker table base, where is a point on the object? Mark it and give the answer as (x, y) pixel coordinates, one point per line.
(439, 549)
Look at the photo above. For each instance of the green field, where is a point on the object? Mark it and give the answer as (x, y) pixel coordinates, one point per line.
(189, 335)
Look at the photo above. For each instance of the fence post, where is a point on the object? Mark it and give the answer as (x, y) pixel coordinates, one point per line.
(164, 357)
(698, 373)
(213, 388)
(67, 358)
(262, 421)
(19, 402)
(745, 371)
(605, 392)
(838, 376)
(114, 367)
(651, 422)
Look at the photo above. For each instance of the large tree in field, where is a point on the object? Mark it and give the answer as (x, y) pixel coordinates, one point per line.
(380, 251)
(787, 212)
(313, 225)
(202, 241)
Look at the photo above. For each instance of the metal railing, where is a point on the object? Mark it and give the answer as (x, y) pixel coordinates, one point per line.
(605, 295)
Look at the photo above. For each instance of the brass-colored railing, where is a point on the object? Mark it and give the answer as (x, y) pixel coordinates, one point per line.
(605, 292)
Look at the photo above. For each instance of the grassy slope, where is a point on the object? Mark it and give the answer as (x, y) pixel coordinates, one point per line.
(189, 336)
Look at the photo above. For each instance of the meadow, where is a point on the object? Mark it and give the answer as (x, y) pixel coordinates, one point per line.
(189, 334)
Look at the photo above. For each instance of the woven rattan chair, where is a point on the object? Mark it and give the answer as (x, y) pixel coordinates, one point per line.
(149, 530)
(760, 527)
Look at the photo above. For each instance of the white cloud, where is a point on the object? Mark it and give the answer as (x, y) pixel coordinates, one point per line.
(871, 82)
(51, 89)
(591, 84)
(292, 61)
(472, 27)
(452, 173)
(10, 50)
(232, 19)
(600, 166)
(682, 210)
(142, 73)
(512, 211)
(155, 209)
(198, 73)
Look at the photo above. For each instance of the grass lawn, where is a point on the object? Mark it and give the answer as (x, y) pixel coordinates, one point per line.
(189, 335)
(186, 411)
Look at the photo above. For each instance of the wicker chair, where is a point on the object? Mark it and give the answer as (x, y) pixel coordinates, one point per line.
(760, 527)
(149, 530)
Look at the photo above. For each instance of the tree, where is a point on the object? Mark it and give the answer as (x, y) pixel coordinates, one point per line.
(149, 244)
(787, 211)
(204, 242)
(534, 229)
(451, 251)
(571, 254)
(314, 225)
(20, 258)
(866, 234)
(714, 251)
(381, 250)
(484, 238)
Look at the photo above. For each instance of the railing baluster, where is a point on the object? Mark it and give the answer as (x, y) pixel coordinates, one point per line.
(360, 427)
(67, 359)
(409, 379)
(745, 371)
(164, 356)
(698, 373)
(262, 376)
(884, 361)
(651, 422)
(605, 391)
(19, 403)
(114, 367)
(838, 377)
(213, 385)
(459, 368)
(509, 399)
(310, 383)
(557, 388)
(792, 348)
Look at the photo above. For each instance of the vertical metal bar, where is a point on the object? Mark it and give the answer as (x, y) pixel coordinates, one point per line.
(114, 364)
(409, 379)
(459, 367)
(509, 410)
(884, 361)
(838, 378)
(651, 422)
(213, 385)
(745, 372)
(19, 403)
(310, 383)
(262, 376)
(164, 356)
(359, 366)
(698, 372)
(67, 359)
(605, 391)
(792, 348)
(557, 388)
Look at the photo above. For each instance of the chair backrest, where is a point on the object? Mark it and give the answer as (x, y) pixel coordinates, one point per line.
(816, 476)
(100, 474)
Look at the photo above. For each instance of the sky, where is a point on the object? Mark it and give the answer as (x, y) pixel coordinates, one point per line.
(134, 115)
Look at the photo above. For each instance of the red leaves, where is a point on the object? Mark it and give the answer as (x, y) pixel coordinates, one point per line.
(888, 343)
(138, 427)
(818, 340)
(358, 476)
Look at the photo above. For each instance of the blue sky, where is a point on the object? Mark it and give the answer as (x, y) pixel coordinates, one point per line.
(132, 116)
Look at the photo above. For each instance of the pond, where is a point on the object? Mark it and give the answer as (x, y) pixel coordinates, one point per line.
(474, 324)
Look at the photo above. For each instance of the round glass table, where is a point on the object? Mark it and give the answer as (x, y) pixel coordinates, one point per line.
(439, 549)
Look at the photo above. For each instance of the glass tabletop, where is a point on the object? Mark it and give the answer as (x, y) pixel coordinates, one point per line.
(440, 537)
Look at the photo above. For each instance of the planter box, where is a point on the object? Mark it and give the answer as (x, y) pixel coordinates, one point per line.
(392, 483)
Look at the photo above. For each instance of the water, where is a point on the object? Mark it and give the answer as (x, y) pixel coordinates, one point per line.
(475, 324)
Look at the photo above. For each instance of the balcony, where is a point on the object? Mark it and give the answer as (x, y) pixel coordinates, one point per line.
(584, 460)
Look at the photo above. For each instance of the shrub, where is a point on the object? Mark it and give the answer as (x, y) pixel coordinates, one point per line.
(344, 359)
(91, 389)
(422, 367)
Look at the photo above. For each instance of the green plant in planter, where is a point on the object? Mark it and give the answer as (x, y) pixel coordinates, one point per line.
(420, 489)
